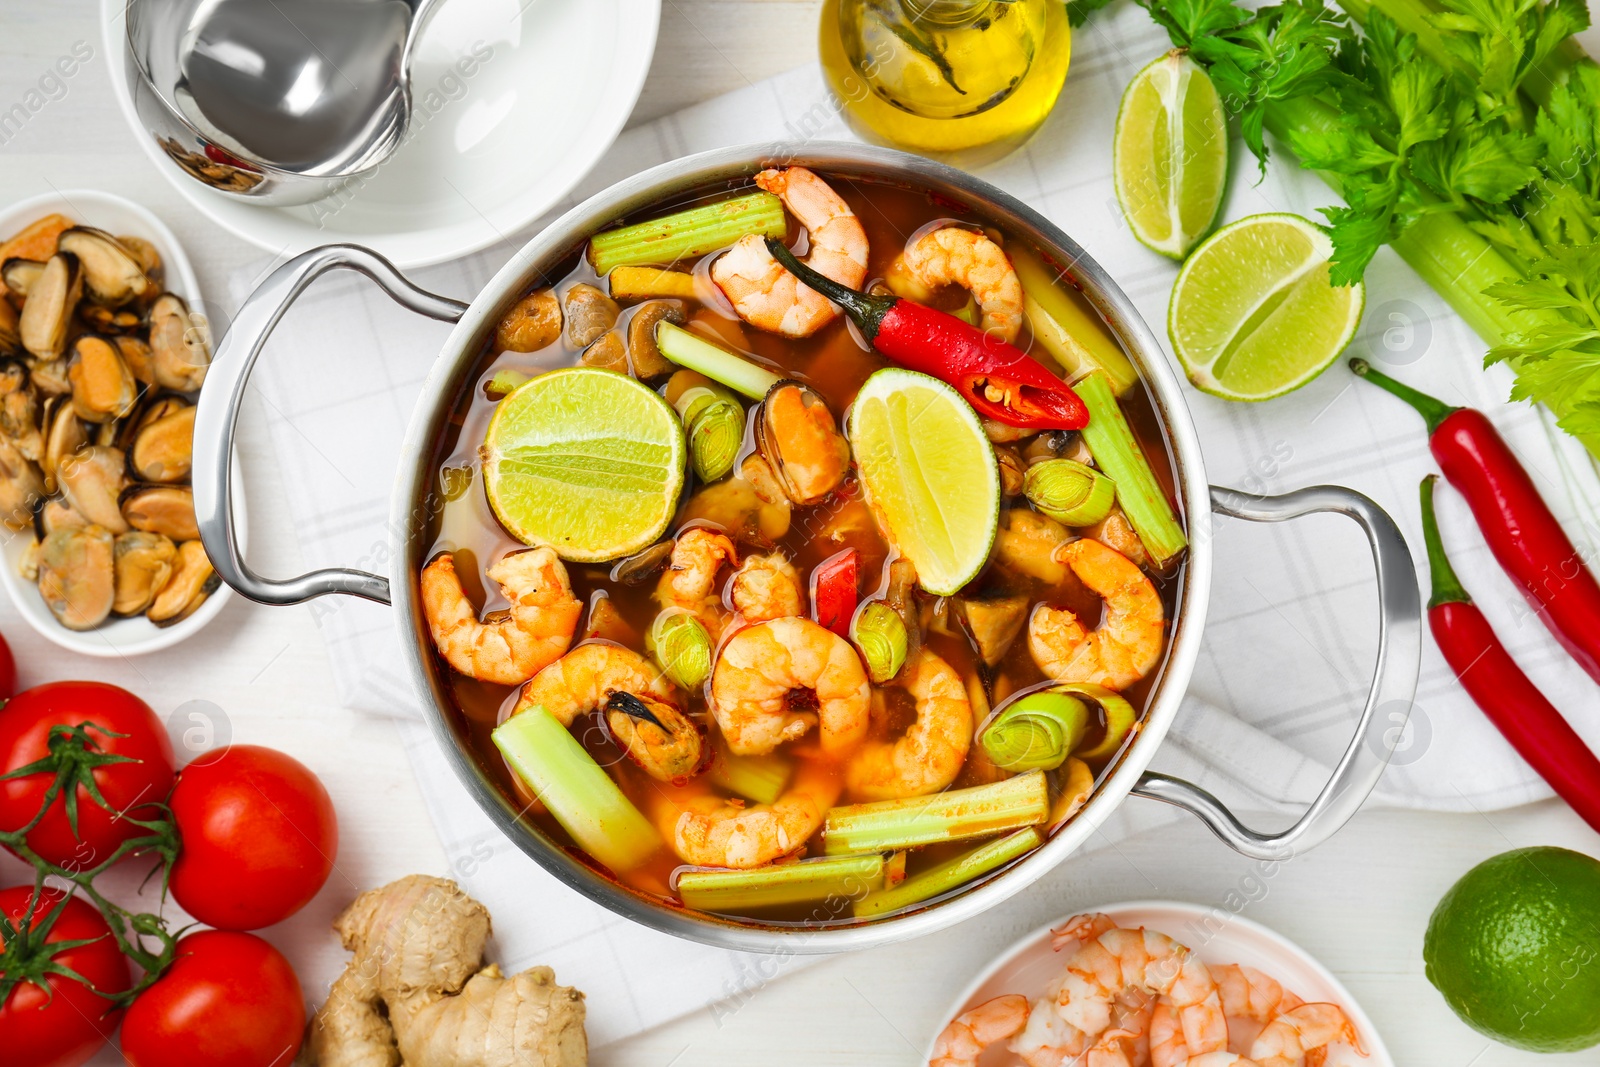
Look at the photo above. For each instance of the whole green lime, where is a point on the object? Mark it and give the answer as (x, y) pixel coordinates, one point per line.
(1515, 949)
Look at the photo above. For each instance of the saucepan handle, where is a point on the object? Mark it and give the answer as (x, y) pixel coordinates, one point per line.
(1394, 684)
(217, 418)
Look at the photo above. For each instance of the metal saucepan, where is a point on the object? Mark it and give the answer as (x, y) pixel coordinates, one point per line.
(1358, 770)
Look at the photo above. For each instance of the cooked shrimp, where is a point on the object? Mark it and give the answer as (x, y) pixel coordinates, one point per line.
(690, 580)
(1080, 928)
(1303, 1032)
(1046, 1040)
(764, 293)
(713, 831)
(506, 648)
(955, 256)
(964, 1040)
(776, 678)
(928, 756)
(1249, 994)
(1125, 646)
(1122, 959)
(766, 587)
(1167, 1048)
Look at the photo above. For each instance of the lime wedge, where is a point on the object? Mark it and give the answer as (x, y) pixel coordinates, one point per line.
(1253, 312)
(587, 461)
(1170, 154)
(929, 473)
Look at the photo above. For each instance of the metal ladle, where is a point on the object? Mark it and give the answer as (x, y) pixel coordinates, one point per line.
(282, 102)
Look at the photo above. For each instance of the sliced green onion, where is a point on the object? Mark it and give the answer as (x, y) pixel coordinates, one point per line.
(1069, 492)
(1110, 440)
(682, 648)
(1120, 717)
(879, 634)
(1067, 329)
(951, 874)
(719, 890)
(505, 380)
(688, 233)
(761, 779)
(576, 790)
(1035, 732)
(953, 815)
(714, 361)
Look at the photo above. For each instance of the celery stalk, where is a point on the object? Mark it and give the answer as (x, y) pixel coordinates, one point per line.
(949, 875)
(687, 233)
(714, 361)
(949, 816)
(758, 778)
(1066, 329)
(578, 792)
(1117, 453)
(719, 890)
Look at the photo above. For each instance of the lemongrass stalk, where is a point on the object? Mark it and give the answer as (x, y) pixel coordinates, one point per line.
(1067, 329)
(715, 362)
(737, 892)
(1116, 451)
(645, 283)
(949, 875)
(694, 232)
(761, 779)
(576, 790)
(953, 815)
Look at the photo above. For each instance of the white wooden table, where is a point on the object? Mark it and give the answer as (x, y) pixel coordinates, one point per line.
(1360, 903)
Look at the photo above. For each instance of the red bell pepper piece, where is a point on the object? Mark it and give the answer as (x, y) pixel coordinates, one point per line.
(833, 590)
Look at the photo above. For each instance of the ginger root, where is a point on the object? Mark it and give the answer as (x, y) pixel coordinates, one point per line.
(416, 992)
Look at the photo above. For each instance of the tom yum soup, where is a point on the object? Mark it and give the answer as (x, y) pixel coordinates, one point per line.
(802, 543)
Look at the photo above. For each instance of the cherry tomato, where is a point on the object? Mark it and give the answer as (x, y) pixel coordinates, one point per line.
(833, 590)
(66, 1022)
(129, 788)
(259, 837)
(229, 1000)
(8, 672)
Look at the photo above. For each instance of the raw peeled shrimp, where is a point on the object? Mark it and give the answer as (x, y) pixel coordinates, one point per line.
(766, 587)
(951, 255)
(690, 580)
(967, 1036)
(929, 755)
(1149, 961)
(1125, 646)
(507, 648)
(713, 831)
(762, 291)
(769, 677)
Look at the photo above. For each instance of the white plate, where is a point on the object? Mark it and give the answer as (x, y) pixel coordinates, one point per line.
(552, 83)
(117, 637)
(1030, 964)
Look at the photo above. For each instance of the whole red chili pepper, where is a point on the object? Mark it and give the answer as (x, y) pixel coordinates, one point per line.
(1497, 685)
(1522, 532)
(833, 591)
(996, 378)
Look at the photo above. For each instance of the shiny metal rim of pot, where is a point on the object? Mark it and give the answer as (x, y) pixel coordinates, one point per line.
(1363, 762)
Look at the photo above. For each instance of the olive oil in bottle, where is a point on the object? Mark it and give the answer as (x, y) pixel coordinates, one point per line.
(966, 81)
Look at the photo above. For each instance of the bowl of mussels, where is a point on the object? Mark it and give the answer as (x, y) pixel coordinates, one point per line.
(104, 348)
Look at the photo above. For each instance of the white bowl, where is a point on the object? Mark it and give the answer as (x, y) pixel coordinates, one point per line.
(551, 84)
(1216, 936)
(116, 637)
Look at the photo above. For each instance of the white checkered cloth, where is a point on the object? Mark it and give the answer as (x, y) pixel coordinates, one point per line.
(1292, 632)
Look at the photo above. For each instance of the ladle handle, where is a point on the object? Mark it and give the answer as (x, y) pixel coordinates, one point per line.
(217, 417)
(1394, 684)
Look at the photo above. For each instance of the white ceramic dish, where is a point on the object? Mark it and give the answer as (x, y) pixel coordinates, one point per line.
(551, 83)
(1030, 964)
(117, 637)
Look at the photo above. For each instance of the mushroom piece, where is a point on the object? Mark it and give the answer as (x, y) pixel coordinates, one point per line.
(21, 486)
(648, 362)
(64, 434)
(163, 449)
(144, 563)
(92, 480)
(138, 357)
(1027, 542)
(103, 388)
(19, 275)
(589, 314)
(162, 509)
(19, 410)
(192, 581)
(534, 322)
(608, 353)
(111, 274)
(799, 438)
(179, 351)
(77, 575)
(51, 300)
(994, 624)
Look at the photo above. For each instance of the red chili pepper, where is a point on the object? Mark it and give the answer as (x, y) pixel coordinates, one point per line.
(1497, 685)
(996, 378)
(1522, 532)
(833, 590)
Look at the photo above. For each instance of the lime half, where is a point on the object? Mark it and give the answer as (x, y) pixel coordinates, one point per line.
(584, 460)
(1170, 154)
(929, 473)
(1253, 312)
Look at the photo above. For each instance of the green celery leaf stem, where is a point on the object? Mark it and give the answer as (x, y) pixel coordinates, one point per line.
(779, 885)
(951, 874)
(953, 815)
(1447, 588)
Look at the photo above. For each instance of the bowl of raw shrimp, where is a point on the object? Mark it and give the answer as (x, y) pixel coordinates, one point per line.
(1156, 984)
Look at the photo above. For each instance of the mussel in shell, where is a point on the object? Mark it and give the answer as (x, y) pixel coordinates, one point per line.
(144, 563)
(103, 388)
(92, 480)
(163, 448)
(192, 581)
(162, 509)
(111, 274)
(77, 575)
(802, 443)
(180, 353)
(52, 297)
